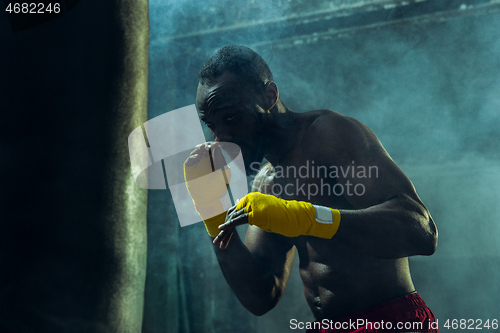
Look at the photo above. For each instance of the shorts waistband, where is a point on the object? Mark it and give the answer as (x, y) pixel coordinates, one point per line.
(389, 309)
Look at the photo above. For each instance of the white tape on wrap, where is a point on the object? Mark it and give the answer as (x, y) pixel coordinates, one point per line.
(323, 214)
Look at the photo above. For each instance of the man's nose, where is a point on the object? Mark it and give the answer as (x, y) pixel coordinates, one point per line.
(223, 136)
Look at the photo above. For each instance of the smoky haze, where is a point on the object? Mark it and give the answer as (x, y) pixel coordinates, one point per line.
(426, 80)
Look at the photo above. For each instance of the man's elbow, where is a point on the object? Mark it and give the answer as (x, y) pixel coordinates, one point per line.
(433, 243)
(259, 310)
(430, 239)
(265, 304)
(426, 234)
(430, 246)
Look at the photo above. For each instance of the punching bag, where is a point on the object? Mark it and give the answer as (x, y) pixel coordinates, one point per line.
(73, 222)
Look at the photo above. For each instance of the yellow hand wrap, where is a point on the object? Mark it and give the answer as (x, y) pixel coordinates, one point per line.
(289, 217)
(206, 189)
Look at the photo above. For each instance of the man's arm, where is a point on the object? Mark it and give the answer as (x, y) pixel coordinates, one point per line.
(258, 270)
(388, 220)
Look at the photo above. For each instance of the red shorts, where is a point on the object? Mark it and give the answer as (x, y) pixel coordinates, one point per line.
(407, 313)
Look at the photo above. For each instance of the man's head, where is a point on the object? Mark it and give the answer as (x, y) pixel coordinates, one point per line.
(234, 97)
(240, 60)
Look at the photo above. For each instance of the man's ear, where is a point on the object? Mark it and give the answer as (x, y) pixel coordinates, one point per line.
(272, 95)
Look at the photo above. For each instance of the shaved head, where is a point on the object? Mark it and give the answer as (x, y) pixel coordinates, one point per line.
(239, 60)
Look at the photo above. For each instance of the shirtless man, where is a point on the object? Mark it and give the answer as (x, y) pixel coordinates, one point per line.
(360, 272)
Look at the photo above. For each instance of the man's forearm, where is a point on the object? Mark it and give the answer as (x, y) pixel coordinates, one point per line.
(397, 228)
(257, 289)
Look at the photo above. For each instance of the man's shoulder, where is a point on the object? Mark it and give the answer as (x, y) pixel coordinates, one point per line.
(333, 127)
(323, 114)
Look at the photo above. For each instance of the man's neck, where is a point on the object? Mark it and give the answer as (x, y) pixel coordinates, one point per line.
(283, 135)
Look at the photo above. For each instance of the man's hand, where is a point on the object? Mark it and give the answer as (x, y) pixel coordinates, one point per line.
(234, 218)
(262, 183)
(207, 183)
(205, 149)
(289, 218)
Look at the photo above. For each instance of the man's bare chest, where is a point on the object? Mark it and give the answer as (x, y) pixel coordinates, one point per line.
(302, 176)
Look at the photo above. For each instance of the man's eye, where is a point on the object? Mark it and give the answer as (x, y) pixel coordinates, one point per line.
(209, 124)
(230, 117)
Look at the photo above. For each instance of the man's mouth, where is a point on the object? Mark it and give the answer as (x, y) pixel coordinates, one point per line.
(232, 149)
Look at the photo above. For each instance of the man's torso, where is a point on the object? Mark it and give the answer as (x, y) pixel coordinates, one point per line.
(338, 279)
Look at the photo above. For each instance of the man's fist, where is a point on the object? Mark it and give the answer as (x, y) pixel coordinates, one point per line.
(207, 179)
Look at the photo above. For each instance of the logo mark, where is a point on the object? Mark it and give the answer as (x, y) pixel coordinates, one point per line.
(172, 136)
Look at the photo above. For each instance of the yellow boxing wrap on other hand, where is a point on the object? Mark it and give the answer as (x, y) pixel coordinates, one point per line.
(206, 188)
(212, 224)
(289, 217)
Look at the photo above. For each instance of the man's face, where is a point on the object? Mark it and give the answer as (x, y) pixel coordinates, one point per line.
(231, 113)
